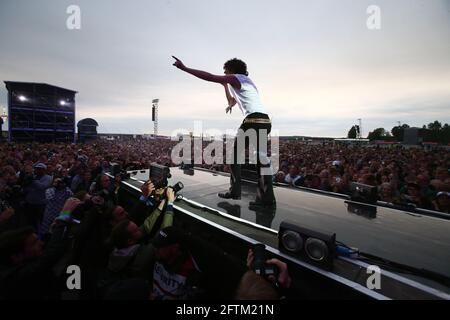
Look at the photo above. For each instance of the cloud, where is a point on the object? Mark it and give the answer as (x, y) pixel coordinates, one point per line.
(317, 66)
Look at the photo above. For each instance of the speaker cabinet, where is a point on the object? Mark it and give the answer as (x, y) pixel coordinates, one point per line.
(308, 245)
(363, 193)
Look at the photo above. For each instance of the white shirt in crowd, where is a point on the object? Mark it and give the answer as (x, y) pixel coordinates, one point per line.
(291, 180)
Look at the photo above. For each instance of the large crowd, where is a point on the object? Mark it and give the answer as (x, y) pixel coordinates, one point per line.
(59, 208)
(405, 177)
(60, 212)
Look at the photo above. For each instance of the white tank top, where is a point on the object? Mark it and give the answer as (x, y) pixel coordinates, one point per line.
(247, 97)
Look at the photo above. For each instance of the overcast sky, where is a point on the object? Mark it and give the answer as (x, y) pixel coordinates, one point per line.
(316, 64)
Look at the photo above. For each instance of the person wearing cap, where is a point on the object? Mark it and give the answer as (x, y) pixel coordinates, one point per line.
(83, 159)
(56, 197)
(35, 194)
(442, 202)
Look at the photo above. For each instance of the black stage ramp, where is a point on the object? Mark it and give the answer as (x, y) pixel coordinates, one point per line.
(411, 239)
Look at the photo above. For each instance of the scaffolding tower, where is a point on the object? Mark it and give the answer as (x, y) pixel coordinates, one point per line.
(40, 112)
(155, 116)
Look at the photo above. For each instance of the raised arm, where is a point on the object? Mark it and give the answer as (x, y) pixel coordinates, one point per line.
(232, 80)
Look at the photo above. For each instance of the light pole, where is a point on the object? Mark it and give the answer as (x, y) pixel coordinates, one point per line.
(3, 118)
(155, 117)
(360, 135)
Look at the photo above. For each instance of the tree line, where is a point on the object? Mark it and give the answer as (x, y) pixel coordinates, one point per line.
(433, 132)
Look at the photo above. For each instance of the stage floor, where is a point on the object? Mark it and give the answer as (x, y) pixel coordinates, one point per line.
(399, 236)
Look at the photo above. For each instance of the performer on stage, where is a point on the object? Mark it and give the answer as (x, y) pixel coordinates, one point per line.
(245, 94)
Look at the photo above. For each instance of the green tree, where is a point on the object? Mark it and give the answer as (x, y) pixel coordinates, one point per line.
(377, 134)
(435, 126)
(398, 131)
(444, 134)
(435, 130)
(352, 133)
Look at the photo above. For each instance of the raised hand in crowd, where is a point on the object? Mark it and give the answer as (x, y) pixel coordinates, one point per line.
(147, 189)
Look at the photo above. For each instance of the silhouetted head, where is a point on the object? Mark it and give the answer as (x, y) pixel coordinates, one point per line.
(235, 66)
(19, 246)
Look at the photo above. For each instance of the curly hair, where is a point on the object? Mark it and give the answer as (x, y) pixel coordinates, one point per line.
(236, 66)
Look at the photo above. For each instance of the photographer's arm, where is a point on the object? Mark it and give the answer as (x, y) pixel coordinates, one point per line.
(150, 222)
(146, 204)
(168, 214)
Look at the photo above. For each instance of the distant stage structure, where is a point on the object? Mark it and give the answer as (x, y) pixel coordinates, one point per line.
(87, 130)
(40, 112)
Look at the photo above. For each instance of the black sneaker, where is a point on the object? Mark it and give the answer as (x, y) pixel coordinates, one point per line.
(229, 195)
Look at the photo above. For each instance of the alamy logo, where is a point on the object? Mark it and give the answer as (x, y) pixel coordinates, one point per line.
(73, 22)
(374, 19)
(374, 280)
(190, 148)
(74, 278)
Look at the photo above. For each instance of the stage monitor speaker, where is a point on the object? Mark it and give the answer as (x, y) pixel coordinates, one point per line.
(363, 193)
(308, 245)
(115, 169)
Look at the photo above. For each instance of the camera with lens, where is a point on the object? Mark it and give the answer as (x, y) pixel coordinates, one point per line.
(116, 170)
(259, 263)
(159, 175)
(177, 187)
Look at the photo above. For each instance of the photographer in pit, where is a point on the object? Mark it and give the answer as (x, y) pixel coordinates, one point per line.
(132, 256)
(148, 201)
(153, 192)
